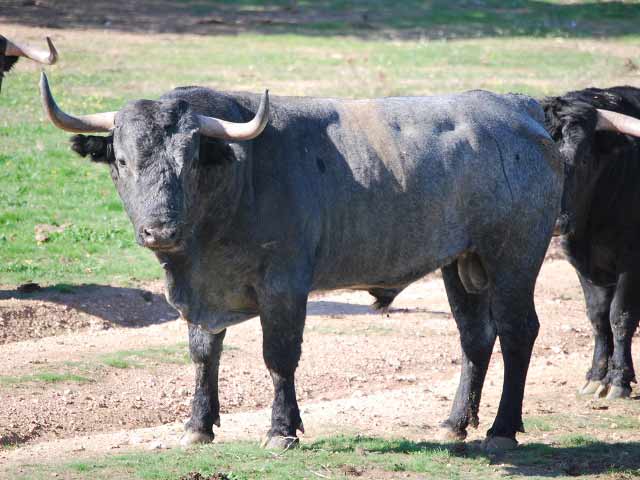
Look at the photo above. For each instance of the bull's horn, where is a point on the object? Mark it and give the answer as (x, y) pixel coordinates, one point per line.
(214, 127)
(617, 122)
(40, 56)
(98, 122)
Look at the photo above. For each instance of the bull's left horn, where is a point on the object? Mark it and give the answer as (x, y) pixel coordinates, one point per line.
(37, 55)
(97, 122)
(618, 122)
(214, 127)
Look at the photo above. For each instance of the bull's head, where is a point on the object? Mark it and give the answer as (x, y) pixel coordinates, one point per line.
(11, 51)
(574, 128)
(154, 150)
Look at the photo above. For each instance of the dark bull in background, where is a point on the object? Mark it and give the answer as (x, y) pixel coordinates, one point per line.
(336, 194)
(10, 52)
(602, 198)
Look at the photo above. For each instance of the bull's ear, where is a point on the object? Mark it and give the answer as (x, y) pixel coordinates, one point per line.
(215, 152)
(99, 149)
(8, 63)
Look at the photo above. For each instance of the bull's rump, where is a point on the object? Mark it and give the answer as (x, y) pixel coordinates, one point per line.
(401, 186)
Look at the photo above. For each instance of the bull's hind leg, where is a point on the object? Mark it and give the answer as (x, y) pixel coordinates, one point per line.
(598, 302)
(477, 337)
(205, 350)
(513, 312)
(282, 317)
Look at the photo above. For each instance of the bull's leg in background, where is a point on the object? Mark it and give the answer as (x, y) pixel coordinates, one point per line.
(477, 337)
(598, 301)
(624, 316)
(282, 317)
(205, 350)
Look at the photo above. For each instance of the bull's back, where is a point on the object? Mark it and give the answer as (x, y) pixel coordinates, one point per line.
(404, 185)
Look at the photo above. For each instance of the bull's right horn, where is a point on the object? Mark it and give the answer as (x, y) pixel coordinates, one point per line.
(40, 56)
(216, 128)
(618, 122)
(97, 122)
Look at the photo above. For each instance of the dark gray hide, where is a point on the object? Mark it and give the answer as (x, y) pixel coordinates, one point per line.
(334, 194)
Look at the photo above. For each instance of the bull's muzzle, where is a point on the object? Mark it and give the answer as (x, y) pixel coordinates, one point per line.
(162, 238)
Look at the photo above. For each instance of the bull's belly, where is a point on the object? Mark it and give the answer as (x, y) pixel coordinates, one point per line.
(389, 265)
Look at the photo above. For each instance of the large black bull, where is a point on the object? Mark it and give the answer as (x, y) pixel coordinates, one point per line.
(334, 194)
(601, 217)
(10, 52)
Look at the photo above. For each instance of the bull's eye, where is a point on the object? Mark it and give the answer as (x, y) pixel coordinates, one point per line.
(121, 162)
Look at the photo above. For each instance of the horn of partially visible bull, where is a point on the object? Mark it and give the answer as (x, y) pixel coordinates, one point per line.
(617, 122)
(13, 49)
(10, 52)
(105, 121)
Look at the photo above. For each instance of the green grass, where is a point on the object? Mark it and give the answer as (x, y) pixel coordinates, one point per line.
(345, 456)
(540, 424)
(177, 354)
(91, 370)
(350, 330)
(434, 18)
(42, 182)
(576, 440)
(44, 377)
(575, 423)
(174, 354)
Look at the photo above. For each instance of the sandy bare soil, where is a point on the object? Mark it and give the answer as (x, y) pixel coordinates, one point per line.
(392, 375)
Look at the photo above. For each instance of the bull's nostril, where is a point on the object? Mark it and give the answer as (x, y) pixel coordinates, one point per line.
(159, 237)
(149, 235)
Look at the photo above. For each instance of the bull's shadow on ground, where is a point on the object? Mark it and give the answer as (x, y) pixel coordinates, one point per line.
(337, 309)
(584, 458)
(371, 19)
(576, 457)
(127, 307)
(137, 307)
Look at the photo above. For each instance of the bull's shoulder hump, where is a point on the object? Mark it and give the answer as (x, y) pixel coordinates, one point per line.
(491, 103)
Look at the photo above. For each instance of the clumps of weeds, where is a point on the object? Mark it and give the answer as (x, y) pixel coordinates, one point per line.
(199, 476)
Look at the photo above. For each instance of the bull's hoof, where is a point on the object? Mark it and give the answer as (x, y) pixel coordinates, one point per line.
(196, 438)
(589, 388)
(616, 392)
(601, 391)
(499, 444)
(278, 442)
(449, 434)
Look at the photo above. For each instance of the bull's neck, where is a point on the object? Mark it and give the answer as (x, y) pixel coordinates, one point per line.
(224, 197)
(221, 206)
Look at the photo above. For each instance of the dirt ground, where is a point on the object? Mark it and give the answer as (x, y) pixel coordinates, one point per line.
(364, 372)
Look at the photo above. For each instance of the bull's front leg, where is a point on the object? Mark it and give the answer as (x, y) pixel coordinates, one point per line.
(205, 350)
(624, 316)
(282, 316)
